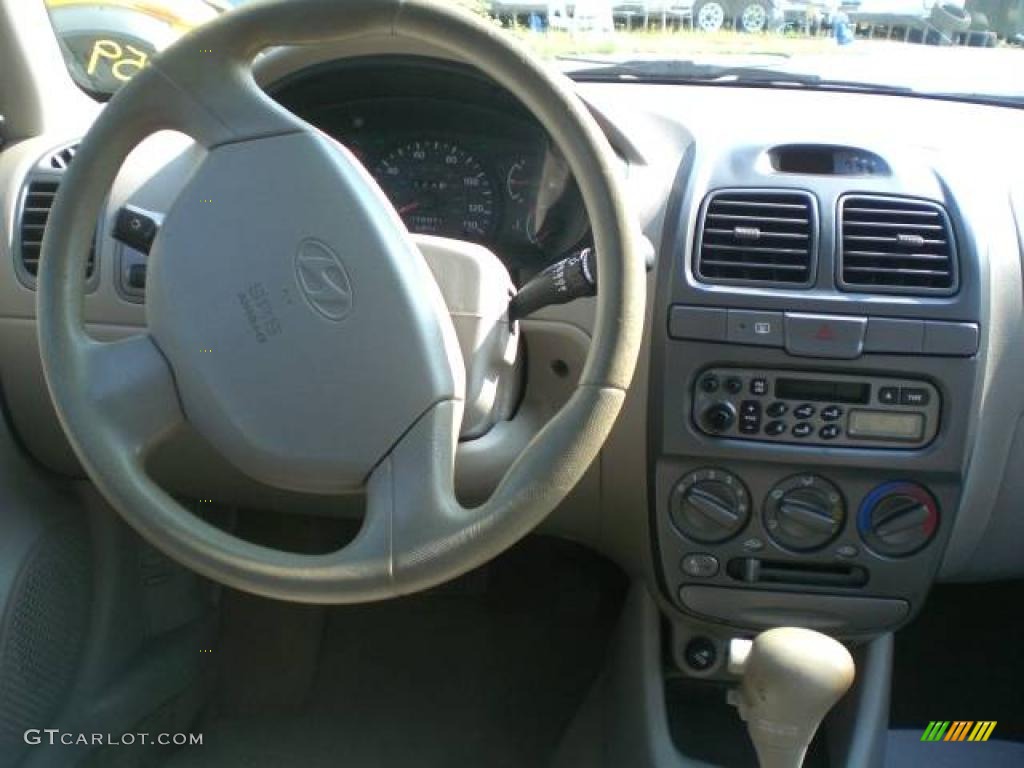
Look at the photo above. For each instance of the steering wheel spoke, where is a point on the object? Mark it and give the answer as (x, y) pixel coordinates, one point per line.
(132, 390)
(412, 491)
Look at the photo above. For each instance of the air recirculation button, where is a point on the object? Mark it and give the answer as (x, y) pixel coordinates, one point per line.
(804, 512)
(710, 506)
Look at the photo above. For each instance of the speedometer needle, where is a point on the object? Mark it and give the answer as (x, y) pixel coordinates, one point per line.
(408, 208)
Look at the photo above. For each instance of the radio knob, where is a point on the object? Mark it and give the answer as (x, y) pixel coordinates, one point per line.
(804, 512)
(710, 506)
(719, 417)
(898, 519)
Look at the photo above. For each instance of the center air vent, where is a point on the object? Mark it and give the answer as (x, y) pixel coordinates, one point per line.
(766, 237)
(35, 212)
(896, 245)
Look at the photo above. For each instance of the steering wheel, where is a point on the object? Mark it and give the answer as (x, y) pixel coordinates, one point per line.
(294, 325)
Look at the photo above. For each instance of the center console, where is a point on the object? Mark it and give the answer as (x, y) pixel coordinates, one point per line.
(813, 367)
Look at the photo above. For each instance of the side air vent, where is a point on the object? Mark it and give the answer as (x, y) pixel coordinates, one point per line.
(35, 212)
(761, 237)
(62, 158)
(896, 245)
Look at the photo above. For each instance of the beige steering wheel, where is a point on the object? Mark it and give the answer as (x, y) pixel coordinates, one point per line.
(333, 365)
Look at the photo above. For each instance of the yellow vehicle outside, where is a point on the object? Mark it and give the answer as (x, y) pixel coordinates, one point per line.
(106, 42)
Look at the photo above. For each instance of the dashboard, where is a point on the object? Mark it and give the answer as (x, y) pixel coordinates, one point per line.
(827, 416)
(457, 156)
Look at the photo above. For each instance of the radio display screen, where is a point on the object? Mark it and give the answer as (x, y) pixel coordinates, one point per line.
(886, 425)
(856, 393)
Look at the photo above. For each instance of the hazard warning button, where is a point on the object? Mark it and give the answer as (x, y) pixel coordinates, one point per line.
(836, 336)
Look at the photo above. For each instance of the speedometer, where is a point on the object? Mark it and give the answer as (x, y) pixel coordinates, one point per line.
(438, 189)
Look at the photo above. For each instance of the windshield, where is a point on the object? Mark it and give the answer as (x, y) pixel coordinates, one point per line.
(966, 49)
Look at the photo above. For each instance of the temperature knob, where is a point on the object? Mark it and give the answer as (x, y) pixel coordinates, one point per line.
(898, 519)
(804, 512)
(710, 506)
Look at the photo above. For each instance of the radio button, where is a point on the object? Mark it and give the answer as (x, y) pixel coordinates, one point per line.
(709, 383)
(777, 409)
(803, 429)
(804, 411)
(733, 385)
(831, 412)
(914, 396)
(759, 386)
(750, 417)
(774, 428)
(829, 432)
(889, 395)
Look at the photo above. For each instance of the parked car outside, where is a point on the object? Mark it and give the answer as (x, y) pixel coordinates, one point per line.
(706, 15)
(507, 10)
(1003, 18)
(743, 15)
(810, 15)
(658, 13)
(946, 18)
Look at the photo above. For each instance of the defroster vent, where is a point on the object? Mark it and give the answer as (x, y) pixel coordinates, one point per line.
(765, 237)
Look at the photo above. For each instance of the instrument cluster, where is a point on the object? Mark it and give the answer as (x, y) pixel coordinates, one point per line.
(465, 172)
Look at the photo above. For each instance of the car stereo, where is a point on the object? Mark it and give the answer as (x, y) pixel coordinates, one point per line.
(816, 408)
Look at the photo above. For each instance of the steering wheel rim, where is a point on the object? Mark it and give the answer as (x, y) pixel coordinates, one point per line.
(116, 400)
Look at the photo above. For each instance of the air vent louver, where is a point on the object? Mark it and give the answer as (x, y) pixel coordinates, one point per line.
(35, 212)
(758, 236)
(896, 245)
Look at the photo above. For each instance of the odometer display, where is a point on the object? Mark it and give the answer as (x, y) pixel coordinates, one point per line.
(438, 189)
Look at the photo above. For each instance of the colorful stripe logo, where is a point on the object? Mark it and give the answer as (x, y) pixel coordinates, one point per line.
(958, 730)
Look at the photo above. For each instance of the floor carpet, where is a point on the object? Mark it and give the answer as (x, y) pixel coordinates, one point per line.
(487, 671)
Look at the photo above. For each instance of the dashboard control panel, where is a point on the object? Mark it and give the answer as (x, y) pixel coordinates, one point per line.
(732, 531)
(816, 408)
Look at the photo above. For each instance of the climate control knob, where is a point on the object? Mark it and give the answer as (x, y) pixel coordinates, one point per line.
(710, 506)
(719, 417)
(898, 519)
(804, 512)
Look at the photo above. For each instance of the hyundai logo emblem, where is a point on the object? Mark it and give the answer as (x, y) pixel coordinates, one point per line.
(323, 280)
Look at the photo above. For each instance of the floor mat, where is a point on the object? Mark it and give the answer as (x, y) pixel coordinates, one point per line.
(487, 671)
(961, 659)
(905, 749)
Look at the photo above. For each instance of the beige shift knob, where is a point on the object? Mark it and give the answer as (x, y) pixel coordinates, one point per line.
(791, 679)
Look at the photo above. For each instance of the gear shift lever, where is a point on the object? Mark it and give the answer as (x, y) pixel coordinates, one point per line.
(791, 679)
